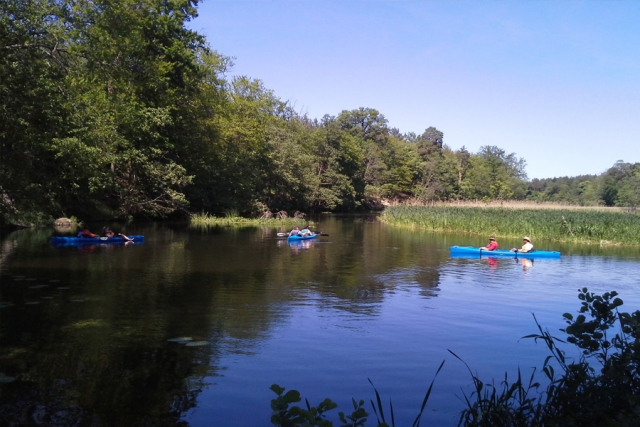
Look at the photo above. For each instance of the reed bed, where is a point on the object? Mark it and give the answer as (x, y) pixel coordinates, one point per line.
(206, 220)
(580, 226)
(508, 204)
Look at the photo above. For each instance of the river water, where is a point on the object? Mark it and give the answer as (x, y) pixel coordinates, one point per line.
(193, 326)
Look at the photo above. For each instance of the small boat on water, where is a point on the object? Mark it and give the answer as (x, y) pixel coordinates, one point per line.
(298, 238)
(74, 240)
(472, 250)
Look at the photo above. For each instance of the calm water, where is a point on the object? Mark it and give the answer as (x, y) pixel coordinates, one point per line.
(90, 332)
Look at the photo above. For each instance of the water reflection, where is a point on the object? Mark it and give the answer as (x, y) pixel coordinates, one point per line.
(493, 262)
(526, 263)
(106, 342)
(297, 245)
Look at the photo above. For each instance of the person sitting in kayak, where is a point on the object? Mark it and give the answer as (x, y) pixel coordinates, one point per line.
(526, 247)
(492, 246)
(305, 231)
(86, 233)
(109, 233)
(295, 231)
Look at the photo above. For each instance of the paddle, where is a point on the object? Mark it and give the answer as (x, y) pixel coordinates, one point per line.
(319, 233)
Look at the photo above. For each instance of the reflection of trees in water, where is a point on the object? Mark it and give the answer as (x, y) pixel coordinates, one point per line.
(426, 278)
(99, 371)
(20, 240)
(106, 360)
(6, 248)
(74, 391)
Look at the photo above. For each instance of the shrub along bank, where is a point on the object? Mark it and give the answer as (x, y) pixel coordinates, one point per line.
(602, 388)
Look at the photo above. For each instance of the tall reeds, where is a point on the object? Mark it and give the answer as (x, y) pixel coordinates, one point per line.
(205, 220)
(583, 226)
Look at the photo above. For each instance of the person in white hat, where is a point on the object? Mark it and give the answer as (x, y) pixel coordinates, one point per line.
(526, 247)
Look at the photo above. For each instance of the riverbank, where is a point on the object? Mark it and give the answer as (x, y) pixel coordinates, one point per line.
(590, 226)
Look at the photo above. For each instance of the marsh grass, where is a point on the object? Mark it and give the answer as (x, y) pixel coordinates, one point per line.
(561, 225)
(206, 220)
(510, 204)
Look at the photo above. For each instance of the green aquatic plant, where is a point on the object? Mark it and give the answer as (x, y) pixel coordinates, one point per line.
(181, 340)
(580, 226)
(206, 220)
(196, 343)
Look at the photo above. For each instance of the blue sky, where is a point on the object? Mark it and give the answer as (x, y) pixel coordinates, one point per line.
(557, 81)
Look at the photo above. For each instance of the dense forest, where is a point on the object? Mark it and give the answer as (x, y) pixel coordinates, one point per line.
(115, 109)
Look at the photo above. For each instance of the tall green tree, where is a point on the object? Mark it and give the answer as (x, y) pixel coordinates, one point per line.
(495, 174)
(34, 60)
(99, 127)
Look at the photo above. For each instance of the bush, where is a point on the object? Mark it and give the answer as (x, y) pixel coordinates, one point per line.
(601, 388)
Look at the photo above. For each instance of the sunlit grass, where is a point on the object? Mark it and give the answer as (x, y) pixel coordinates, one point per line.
(511, 204)
(561, 225)
(205, 220)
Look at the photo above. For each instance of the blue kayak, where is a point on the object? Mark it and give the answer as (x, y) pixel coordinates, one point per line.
(74, 240)
(472, 250)
(298, 238)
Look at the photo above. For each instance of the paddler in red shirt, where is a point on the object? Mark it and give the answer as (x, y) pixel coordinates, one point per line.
(492, 246)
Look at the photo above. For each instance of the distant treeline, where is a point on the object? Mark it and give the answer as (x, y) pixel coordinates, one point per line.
(116, 109)
(618, 186)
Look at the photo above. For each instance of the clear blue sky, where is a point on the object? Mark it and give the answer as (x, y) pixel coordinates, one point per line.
(557, 82)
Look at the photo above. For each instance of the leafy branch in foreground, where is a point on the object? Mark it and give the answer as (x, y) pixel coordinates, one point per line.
(285, 416)
(577, 394)
(580, 395)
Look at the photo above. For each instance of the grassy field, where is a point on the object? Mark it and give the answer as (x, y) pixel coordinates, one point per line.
(595, 226)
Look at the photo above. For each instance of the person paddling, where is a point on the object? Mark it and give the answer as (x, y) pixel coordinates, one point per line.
(492, 246)
(526, 247)
(109, 233)
(295, 231)
(305, 231)
(87, 233)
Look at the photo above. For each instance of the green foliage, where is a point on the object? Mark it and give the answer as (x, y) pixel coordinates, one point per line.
(580, 394)
(618, 186)
(206, 220)
(357, 418)
(295, 416)
(285, 416)
(514, 404)
(118, 109)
